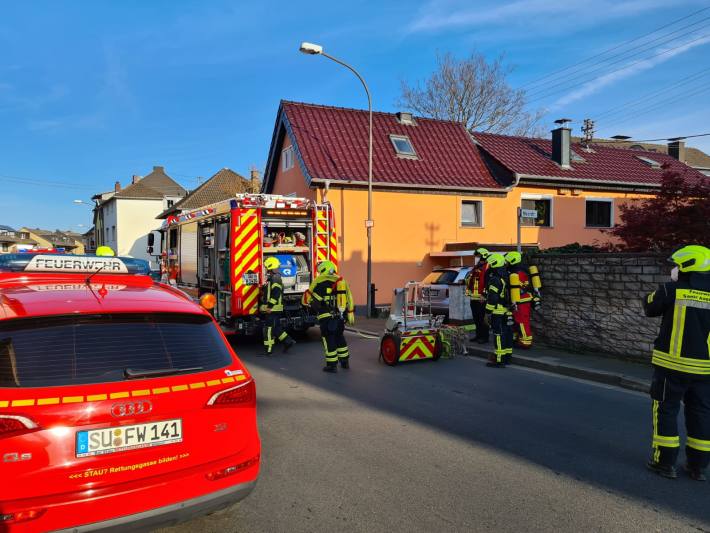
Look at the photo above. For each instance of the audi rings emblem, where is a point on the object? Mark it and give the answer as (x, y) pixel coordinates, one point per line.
(141, 407)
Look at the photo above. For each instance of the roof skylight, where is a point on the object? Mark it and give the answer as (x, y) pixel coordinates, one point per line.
(403, 146)
(650, 162)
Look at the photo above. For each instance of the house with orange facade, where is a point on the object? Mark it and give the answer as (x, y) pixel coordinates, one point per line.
(439, 192)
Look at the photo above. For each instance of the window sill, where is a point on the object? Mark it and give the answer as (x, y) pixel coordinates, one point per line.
(598, 227)
(471, 226)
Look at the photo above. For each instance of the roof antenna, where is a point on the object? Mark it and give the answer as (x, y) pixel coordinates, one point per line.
(88, 279)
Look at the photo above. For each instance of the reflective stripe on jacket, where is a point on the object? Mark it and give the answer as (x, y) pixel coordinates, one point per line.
(683, 342)
(273, 292)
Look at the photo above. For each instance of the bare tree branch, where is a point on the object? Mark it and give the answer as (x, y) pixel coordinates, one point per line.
(475, 93)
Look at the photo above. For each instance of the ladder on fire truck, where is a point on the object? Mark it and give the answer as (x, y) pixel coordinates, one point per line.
(326, 243)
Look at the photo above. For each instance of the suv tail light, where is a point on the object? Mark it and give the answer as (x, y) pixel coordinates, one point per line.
(234, 469)
(21, 516)
(242, 394)
(11, 425)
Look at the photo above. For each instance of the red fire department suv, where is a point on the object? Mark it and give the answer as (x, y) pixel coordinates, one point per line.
(122, 406)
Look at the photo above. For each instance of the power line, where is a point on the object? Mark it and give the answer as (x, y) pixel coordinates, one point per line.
(604, 141)
(651, 95)
(657, 105)
(44, 183)
(621, 68)
(544, 92)
(614, 48)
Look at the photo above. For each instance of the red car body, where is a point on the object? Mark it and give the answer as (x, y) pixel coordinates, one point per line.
(86, 444)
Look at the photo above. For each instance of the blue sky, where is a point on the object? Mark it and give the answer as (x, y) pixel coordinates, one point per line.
(96, 91)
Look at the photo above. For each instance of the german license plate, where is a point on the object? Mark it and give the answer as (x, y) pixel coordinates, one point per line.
(123, 438)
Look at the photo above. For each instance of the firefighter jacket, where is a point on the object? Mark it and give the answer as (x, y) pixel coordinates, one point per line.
(476, 281)
(497, 300)
(329, 295)
(272, 293)
(683, 342)
(520, 279)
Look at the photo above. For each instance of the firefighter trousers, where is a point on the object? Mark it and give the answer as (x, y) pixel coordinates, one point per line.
(523, 332)
(273, 332)
(332, 330)
(668, 389)
(478, 310)
(502, 338)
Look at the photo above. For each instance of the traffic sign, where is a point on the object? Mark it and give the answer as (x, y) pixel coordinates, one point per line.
(528, 213)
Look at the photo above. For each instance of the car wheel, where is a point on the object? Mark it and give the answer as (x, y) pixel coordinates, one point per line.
(389, 349)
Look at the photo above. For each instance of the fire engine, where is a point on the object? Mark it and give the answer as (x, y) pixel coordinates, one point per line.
(220, 249)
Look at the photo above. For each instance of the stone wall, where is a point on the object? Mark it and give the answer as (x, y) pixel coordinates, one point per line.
(592, 302)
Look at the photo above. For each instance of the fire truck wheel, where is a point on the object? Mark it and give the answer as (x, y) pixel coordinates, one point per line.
(438, 347)
(389, 349)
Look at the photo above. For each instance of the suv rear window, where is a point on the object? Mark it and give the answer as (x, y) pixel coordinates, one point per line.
(51, 351)
(441, 277)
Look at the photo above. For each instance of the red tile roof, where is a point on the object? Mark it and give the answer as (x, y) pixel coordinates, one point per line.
(532, 157)
(332, 142)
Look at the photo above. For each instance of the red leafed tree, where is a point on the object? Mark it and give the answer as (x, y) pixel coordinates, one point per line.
(679, 214)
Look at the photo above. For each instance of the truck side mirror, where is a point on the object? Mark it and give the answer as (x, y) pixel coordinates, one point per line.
(151, 241)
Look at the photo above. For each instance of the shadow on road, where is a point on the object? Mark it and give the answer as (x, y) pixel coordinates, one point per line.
(592, 433)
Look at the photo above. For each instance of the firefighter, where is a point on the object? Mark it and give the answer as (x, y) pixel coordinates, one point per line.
(272, 307)
(330, 298)
(475, 289)
(681, 360)
(498, 315)
(521, 294)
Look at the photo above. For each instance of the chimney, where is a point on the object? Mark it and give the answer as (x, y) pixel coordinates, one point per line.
(117, 186)
(561, 139)
(135, 179)
(676, 149)
(159, 169)
(255, 181)
(405, 118)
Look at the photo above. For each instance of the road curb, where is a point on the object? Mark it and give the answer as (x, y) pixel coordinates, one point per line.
(588, 374)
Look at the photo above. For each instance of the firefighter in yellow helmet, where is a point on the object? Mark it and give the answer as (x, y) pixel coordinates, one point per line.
(498, 314)
(681, 361)
(272, 308)
(521, 294)
(105, 251)
(330, 298)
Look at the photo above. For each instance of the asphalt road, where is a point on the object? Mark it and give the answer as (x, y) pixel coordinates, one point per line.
(449, 446)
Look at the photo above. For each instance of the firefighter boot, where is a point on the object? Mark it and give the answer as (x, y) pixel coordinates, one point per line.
(345, 363)
(667, 471)
(695, 473)
(331, 367)
(288, 344)
(493, 362)
(507, 359)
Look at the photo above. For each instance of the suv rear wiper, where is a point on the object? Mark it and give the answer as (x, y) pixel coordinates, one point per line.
(130, 373)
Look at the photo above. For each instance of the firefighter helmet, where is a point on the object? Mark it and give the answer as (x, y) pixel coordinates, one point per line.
(693, 258)
(496, 260)
(105, 251)
(271, 263)
(484, 253)
(513, 258)
(326, 267)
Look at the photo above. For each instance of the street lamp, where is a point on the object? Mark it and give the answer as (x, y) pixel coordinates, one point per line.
(83, 202)
(316, 49)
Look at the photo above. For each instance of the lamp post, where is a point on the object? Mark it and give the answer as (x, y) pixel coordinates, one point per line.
(315, 49)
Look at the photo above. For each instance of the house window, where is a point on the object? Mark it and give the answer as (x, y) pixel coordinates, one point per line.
(600, 213)
(650, 162)
(24, 235)
(287, 158)
(543, 206)
(402, 145)
(471, 213)
(4, 247)
(171, 203)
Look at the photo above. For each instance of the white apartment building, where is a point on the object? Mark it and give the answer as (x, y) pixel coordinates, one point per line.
(123, 218)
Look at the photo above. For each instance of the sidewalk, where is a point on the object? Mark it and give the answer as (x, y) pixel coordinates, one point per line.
(625, 374)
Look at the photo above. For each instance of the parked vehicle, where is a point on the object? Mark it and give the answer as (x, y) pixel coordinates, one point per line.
(436, 286)
(220, 250)
(122, 406)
